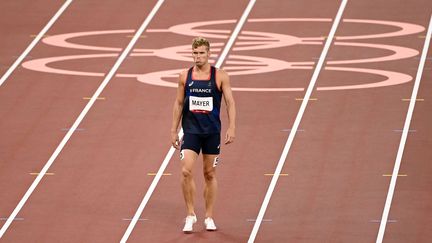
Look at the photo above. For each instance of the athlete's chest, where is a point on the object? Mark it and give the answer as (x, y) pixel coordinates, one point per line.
(201, 76)
(202, 83)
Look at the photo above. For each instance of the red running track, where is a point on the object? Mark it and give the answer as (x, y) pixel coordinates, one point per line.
(332, 188)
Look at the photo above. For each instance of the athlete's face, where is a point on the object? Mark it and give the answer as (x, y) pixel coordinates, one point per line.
(200, 55)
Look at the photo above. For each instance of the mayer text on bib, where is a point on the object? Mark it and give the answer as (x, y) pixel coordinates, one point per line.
(200, 104)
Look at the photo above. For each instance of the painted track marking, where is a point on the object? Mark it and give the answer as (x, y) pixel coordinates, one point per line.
(16, 219)
(98, 98)
(86, 109)
(171, 151)
(153, 174)
(300, 99)
(297, 122)
(37, 173)
(264, 220)
(410, 99)
(272, 174)
(34, 42)
(401, 130)
(240, 64)
(404, 136)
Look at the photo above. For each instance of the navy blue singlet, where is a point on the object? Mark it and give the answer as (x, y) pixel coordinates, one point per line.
(201, 105)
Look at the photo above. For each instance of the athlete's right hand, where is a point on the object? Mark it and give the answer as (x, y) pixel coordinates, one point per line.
(175, 141)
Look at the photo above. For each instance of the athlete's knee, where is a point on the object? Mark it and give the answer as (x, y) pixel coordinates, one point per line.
(209, 175)
(186, 173)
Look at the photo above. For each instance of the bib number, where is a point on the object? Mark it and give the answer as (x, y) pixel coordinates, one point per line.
(200, 104)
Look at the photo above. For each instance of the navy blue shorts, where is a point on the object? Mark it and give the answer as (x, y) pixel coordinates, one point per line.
(208, 143)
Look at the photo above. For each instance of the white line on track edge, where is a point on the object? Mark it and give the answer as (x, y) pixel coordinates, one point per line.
(80, 117)
(404, 136)
(34, 42)
(172, 149)
(296, 123)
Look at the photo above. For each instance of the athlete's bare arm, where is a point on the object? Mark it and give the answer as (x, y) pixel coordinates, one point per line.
(230, 104)
(177, 109)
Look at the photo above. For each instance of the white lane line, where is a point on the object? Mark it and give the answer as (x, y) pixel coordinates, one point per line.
(171, 151)
(404, 136)
(80, 117)
(34, 42)
(296, 123)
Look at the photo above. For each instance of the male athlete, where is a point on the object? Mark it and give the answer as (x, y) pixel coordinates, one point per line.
(198, 103)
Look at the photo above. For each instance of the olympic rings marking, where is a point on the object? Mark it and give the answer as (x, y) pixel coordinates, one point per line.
(247, 41)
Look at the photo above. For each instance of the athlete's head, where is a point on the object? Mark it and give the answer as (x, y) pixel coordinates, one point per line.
(200, 51)
(200, 41)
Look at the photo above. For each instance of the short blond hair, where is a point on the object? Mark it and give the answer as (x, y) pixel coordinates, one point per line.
(200, 41)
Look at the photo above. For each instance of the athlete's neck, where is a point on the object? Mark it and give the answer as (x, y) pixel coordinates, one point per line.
(202, 69)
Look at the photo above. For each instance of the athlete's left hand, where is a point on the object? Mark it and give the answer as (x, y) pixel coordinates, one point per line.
(230, 135)
(175, 141)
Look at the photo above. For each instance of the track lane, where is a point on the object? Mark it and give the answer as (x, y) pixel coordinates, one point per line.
(305, 100)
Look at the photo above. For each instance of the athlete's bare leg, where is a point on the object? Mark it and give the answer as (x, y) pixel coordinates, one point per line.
(210, 183)
(187, 181)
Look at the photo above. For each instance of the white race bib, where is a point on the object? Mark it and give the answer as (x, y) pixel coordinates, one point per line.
(200, 103)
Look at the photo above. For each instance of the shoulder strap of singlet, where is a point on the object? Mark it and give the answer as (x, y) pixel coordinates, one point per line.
(213, 72)
(213, 78)
(189, 75)
(188, 79)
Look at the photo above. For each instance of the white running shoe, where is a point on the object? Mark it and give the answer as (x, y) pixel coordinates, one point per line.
(209, 224)
(189, 222)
